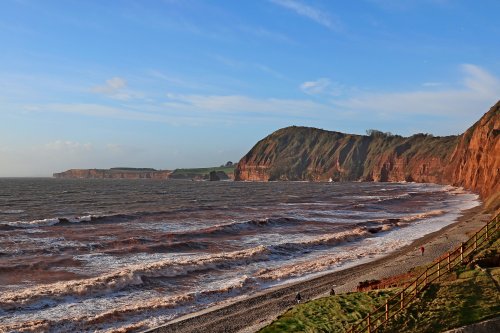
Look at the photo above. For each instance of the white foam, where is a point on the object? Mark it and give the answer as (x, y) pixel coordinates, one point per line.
(12, 211)
(49, 221)
(131, 275)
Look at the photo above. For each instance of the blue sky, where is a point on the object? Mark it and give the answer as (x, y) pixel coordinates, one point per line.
(193, 83)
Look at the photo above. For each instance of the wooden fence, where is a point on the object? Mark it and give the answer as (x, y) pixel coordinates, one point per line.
(380, 316)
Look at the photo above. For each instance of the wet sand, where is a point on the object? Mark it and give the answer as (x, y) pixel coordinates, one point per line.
(250, 313)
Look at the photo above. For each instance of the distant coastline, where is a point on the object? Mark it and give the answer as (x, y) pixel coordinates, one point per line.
(222, 173)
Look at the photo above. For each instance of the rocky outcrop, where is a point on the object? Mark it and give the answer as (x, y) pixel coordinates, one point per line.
(213, 176)
(471, 160)
(203, 174)
(117, 173)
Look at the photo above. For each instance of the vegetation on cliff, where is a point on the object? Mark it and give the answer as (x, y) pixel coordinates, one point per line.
(223, 172)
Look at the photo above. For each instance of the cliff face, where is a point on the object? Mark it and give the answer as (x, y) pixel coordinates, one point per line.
(476, 159)
(471, 160)
(128, 173)
(300, 153)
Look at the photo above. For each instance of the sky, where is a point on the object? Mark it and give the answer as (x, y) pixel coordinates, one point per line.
(192, 83)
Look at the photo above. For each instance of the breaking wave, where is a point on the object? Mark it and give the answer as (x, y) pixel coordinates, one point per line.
(237, 227)
(132, 275)
(132, 316)
(62, 220)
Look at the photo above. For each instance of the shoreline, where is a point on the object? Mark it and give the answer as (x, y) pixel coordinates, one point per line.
(249, 314)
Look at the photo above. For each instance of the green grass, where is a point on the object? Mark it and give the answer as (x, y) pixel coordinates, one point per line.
(203, 171)
(466, 296)
(471, 298)
(329, 314)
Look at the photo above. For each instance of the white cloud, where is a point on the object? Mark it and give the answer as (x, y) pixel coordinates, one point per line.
(475, 93)
(116, 88)
(432, 84)
(68, 146)
(234, 104)
(111, 86)
(478, 91)
(321, 86)
(317, 15)
(480, 81)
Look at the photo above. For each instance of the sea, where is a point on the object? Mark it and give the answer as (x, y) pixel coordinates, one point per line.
(102, 255)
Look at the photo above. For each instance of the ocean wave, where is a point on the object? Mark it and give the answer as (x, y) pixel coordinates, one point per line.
(60, 220)
(129, 246)
(456, 190)
(401, 221)
(134, 274)
(425, 215)
(12, 211)
(127, 216)
(323, 263)
(239, 226)
(399, 197)
(309, 243)
(129, 276)
(134, 314)
(361, 231)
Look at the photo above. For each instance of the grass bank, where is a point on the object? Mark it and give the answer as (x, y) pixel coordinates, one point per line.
(329, 314)
(468, 295)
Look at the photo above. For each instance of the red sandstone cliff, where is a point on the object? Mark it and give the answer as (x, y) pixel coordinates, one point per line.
(475, 163)
(471, 160)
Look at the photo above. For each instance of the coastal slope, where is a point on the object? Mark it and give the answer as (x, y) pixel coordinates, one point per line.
(471, 160)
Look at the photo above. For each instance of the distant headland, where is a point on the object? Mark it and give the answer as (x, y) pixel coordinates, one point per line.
(224, 172)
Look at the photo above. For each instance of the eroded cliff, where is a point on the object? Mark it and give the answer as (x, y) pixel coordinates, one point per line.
(471, 160)
(475, 162)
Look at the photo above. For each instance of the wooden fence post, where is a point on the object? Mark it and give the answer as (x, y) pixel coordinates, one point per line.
(487, 231)
(462, 252)
(448, 258)
(369, 326)
(402, 300)
(439, 270)
(475, 241)
(426, 270)
(386, 310)
(415, 289)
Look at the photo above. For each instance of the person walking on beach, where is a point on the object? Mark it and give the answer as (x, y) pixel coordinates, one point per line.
(422, 249)
(298, 298)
